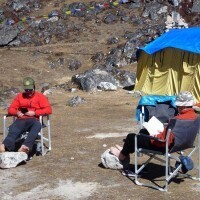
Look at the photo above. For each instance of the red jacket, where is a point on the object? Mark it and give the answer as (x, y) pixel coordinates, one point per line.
(187, 114)
(38, 103)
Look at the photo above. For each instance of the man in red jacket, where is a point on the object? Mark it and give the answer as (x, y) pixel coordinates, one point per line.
(27, 107)
(184, 103)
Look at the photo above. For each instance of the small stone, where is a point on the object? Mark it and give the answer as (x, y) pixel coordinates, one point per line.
(73, 90)
(104, 145)
(12, 159)
(74, 101)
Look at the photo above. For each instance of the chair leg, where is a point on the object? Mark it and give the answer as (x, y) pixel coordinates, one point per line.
(49, 133)
(47, 138)
(4, 127)
(42, 142)
(138, 170)
(197, 177)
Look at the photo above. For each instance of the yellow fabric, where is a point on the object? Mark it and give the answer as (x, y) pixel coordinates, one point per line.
(168, 72)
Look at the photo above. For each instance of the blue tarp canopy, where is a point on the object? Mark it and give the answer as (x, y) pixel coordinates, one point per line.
(187, 39)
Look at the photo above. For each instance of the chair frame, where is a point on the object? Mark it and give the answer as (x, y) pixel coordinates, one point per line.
(43, 138)
(167, 157)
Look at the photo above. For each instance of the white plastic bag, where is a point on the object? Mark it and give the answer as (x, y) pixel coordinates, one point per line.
(112, 162)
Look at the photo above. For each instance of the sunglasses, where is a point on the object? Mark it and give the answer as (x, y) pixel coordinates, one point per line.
(28, 90)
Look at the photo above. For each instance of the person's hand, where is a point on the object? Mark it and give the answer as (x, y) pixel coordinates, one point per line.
(19, 114)
(30, 113)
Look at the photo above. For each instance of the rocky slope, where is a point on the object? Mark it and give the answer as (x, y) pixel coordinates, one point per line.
(68, 46)
(68, 38)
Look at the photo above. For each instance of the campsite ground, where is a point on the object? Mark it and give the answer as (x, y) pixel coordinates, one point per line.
(72, 170)
(80, 135)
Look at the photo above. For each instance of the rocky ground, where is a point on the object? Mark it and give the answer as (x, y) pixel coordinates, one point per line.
(82, 132)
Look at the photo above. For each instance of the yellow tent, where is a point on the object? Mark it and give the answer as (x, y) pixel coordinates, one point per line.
(166, 68)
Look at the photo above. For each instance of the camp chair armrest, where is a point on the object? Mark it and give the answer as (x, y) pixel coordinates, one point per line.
(165, 124)
(9, 115)
(151, 137)
(44, 115)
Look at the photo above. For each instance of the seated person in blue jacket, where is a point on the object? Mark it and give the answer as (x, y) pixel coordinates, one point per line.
(184, 103)
(27, 107)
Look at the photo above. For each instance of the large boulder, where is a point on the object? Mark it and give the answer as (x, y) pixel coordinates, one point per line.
(7, 35)
(95, 79)
(196, 6)
(89, 80)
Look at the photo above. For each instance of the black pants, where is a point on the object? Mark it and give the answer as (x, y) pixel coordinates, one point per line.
(142, 142)
(20, 126)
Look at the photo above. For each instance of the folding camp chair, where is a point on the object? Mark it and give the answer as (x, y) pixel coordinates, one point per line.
(44, 136)
(160, 106)
(185, 132)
